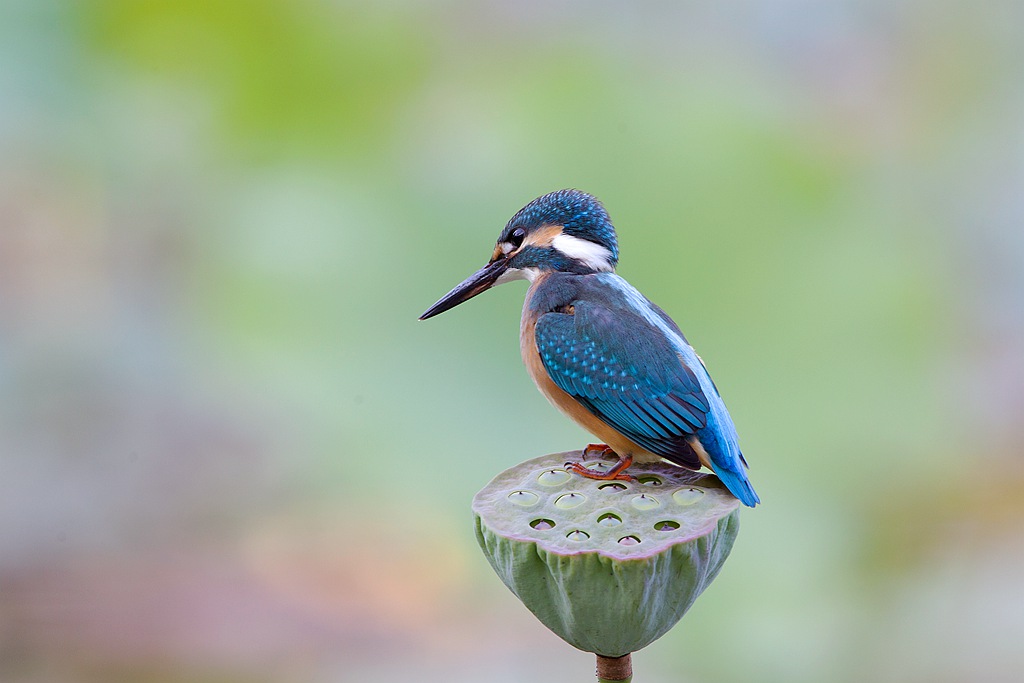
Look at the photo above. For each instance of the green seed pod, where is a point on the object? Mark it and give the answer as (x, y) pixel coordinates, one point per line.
(609, 566)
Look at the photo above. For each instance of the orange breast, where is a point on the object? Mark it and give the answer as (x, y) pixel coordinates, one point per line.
(562, 400)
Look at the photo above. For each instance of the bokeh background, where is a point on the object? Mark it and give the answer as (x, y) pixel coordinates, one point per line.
(229, 452)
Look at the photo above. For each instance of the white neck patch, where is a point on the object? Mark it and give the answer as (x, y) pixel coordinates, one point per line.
(513, 274)
(592, 254)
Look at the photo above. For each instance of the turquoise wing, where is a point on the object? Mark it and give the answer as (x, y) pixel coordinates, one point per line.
(627, 374)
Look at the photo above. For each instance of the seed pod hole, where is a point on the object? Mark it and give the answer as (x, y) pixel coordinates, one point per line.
(577, 535)
(609, 519)
(553, 477)
(667, 525)
(523, 498)
(687, 496)
(569, 500)
(629, 540)
(645, 502)
(612, 486)
(649, 480)
(542, 524)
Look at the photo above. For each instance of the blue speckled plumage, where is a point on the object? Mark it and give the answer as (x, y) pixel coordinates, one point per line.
(600, 350)
(622, 358)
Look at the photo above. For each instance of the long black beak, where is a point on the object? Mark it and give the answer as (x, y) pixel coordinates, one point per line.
(478, 282)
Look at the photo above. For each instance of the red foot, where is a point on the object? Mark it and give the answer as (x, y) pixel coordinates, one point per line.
(616, 472)
(597, 450)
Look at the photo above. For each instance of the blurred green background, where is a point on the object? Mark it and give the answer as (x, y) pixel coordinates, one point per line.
(229, 452)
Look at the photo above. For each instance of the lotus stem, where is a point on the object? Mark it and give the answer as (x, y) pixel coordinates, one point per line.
(615, 669)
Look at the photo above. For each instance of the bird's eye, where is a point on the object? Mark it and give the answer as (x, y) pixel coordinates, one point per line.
(517, 237)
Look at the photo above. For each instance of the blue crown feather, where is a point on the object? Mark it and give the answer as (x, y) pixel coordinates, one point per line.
(580, 215)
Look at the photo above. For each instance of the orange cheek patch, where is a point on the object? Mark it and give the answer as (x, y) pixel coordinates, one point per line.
(544, 236)
(541, 237)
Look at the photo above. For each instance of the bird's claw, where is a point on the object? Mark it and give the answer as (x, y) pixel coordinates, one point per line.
(616, 472)
(587, 473)
(597, 450)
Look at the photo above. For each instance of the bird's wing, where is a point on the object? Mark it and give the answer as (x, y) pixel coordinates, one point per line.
(625, 372)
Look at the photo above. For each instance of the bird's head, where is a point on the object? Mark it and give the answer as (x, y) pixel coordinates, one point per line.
(567, 231)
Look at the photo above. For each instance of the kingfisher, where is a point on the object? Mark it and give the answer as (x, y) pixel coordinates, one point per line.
(600, 351)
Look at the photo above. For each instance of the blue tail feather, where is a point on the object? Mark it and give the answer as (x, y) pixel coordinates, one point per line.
(738, 485)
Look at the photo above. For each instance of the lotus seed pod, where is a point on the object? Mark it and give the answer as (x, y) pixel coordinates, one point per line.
(609, 566)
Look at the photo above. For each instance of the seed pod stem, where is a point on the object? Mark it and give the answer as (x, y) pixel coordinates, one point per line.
(616, 669)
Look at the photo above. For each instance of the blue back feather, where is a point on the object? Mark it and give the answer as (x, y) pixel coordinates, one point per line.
(624, 360)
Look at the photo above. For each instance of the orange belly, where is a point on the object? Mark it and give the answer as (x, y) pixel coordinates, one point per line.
(563, 401)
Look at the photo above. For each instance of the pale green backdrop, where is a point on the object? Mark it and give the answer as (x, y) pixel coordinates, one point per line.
(229, 452)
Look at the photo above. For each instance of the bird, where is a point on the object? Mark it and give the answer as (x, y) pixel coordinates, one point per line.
(600, 351)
